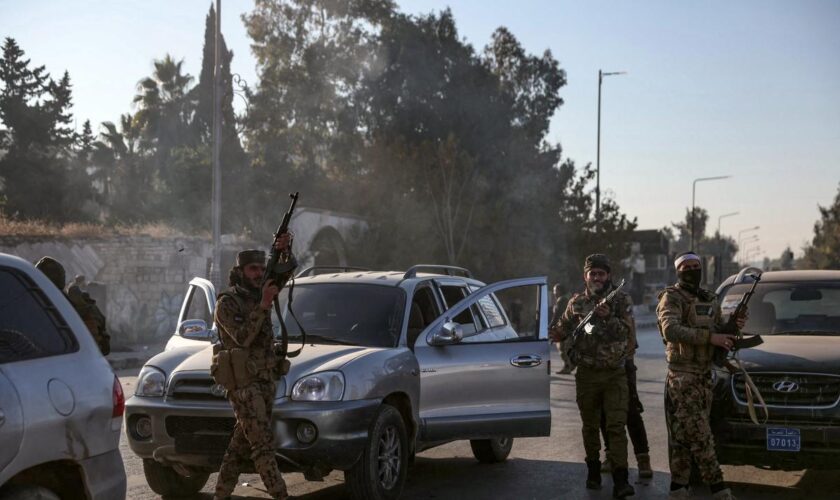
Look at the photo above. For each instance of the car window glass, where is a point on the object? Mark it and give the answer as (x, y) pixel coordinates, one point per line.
(491, 311)
(424, 310)
(197, 306)
(30, 326)
(516, 320)
(453, 294)
(788, 307)
(357, 314)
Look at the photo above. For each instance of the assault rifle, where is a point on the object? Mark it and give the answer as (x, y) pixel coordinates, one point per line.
(721, 355)
(587, 326)
(274, 270)
(280, 272)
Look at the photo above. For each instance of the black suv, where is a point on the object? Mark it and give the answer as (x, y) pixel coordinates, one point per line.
(796, 369)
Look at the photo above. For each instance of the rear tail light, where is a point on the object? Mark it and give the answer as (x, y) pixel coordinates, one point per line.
(118, 399)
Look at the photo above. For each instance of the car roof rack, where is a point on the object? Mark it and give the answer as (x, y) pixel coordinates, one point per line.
(311, 270)
(448, 270)
(747, 272)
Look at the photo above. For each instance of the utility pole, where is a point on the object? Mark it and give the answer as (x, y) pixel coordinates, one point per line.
(720, 247)
(601, 76)
(216, 205)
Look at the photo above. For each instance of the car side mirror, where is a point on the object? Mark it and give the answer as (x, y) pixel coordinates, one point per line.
(195, 329)
(449, 333)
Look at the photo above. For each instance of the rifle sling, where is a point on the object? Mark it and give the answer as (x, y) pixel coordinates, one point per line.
(284, 332)
(752, 393)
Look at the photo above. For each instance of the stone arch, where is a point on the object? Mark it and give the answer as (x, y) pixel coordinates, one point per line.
(328, 248)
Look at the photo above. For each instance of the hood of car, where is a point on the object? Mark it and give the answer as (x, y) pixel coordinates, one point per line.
(794, 353)
(313, 358)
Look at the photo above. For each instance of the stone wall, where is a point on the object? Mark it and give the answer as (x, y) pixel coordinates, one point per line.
(144, 278)
(139, 281)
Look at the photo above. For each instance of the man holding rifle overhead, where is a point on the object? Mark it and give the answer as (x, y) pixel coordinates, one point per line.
(600, 345)
(691, 327)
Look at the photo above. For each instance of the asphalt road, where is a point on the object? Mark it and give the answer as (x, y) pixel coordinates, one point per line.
(539, 468)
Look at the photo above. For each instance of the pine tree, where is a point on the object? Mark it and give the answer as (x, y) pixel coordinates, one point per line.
(824, 250)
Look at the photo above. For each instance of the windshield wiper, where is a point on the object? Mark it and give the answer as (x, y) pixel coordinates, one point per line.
(808, 332)
(322, 338)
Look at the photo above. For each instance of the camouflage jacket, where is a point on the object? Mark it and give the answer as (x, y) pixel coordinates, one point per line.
(686, 322)
(613, 339)
(242, 323)
(91, 316)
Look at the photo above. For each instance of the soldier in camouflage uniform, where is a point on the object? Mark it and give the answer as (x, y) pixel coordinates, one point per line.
(243, 317)
(690, 324)
(601, 381)
(561, 299)
(84, 305)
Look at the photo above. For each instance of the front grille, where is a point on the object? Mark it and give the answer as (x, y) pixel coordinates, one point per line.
(813, 391)
(178, 426)
(194, 389)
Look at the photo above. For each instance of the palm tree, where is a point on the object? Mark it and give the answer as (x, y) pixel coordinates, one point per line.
(164, 106)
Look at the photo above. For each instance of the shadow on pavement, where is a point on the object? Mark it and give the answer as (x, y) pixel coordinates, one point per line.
(525, 479)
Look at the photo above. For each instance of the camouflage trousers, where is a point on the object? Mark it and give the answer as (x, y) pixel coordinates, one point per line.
(603, 391)
(688, 405)
(252, 439)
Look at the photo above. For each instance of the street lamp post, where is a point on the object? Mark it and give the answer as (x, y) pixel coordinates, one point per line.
(216, 204)
(601, 75)
(693, 190)
(741, 234)
(720, 246)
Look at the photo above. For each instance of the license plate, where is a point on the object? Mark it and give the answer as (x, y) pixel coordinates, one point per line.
(783, 439)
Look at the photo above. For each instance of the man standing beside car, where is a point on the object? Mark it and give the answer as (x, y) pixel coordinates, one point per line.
(84, 305)
(243, 317)
(690, 324)
(601, 380)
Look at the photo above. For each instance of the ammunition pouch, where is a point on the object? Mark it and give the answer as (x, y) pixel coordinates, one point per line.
(221, 368)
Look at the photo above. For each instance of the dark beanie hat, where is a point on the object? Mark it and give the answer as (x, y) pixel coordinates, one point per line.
(597, 261)
(246, 257)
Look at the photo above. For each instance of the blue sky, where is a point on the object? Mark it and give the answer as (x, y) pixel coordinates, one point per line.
(749, 89)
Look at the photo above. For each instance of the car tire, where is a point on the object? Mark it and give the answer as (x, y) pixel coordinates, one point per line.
(491, 451)
(28, 493)
(372, 478)
(164, 480)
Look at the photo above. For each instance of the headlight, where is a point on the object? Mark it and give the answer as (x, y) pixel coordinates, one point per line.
(324, 386)
(150, 383)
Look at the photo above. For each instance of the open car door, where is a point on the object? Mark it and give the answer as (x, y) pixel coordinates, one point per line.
(484, 365)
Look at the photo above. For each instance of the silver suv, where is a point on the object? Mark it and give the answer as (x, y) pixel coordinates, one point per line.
(394, 363)
(61, 405)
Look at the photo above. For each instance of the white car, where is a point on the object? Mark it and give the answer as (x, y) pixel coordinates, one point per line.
(61, 406)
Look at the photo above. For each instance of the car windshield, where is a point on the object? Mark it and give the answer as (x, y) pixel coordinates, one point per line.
(344, 313)
(788, 308)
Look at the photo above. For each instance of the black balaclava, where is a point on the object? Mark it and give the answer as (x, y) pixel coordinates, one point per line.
(688, 278)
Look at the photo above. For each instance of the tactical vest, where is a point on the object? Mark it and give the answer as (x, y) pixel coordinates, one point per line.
(237, 365)
(698, 311)
(606, 347)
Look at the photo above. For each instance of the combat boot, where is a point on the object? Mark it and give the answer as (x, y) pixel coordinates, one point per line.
(606, 465)
(725, 494)
(593, 476)
(621, 487)
(643, 461)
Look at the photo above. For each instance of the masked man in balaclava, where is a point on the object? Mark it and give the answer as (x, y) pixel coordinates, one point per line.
(691, 326)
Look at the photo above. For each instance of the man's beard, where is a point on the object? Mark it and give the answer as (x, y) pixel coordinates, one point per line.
(596, 288)
(252, 285)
